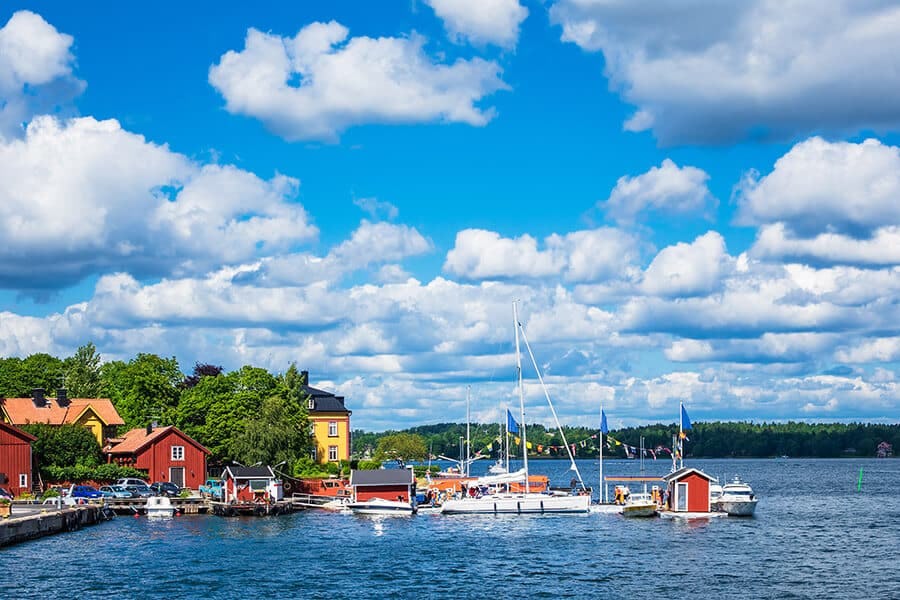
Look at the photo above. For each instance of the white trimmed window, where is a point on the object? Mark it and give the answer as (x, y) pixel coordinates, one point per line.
(332, 429)
(332, 453)
(311, 404)
(177, 452)
(23, 480)
(315, 453)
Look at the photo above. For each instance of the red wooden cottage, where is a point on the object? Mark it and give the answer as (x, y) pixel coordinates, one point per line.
(387, 484)
(251, 484)
(15, 459)
(166, 453)
(688, 490)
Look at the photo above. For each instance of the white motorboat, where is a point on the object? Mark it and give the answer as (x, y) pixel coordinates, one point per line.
(498, 468)
(159, 507)
(639, 505)
(380, 506)
(737, 499)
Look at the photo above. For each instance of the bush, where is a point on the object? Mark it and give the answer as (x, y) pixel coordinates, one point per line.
(104, 472)
(369, 465)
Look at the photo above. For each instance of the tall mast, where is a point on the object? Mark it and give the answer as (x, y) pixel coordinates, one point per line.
(601, 498)
(468, 444)
(521, 396)
(680, 435)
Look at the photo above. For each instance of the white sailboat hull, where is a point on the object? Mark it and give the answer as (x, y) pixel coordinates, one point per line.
(518, 504)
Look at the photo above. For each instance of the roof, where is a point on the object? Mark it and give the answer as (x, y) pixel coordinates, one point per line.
(15, 431)
(137, 439)
(381, 477)
(685, 471)
(22, 411)
(325, 401)
(238, 472)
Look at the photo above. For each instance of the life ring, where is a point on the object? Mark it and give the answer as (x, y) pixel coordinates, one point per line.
(288, 486)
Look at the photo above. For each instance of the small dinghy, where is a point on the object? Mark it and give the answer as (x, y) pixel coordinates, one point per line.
(159, 507)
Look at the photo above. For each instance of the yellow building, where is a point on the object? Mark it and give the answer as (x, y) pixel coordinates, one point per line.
(330, 421)
(97, 414)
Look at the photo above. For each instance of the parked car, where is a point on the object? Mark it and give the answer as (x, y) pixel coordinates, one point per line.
(165, 488)
(114, 491)
(84, 491)
(126, 481)
(5, 494)
(141, 490)
(212, 488)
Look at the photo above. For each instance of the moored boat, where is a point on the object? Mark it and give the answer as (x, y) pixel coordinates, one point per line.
(380, 506)
(639, 505)
(737, 499)
(159, 507)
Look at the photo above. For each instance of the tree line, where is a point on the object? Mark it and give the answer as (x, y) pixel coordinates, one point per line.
(705, 440)
(245, 416)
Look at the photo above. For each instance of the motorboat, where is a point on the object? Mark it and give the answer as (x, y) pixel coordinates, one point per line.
(715, 492)
(639, 505)
(159, 507)
(380, 506)
(737, 499)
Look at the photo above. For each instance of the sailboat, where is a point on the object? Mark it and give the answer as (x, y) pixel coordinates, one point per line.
(526, 502)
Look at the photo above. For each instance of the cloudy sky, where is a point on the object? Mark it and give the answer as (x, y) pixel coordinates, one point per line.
(691, 200)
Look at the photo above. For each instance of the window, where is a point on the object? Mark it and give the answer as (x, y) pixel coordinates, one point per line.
(315, 453)
(177, 452)
(332, 429)
(23, 480)
(332, 453)
(311, 404)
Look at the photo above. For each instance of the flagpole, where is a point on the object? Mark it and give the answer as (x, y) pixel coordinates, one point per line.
(602, 487)
(468, 446)
(680, 435)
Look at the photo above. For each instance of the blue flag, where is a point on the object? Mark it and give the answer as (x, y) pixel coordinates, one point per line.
(511, 425)
(603, 427)
(685, 420)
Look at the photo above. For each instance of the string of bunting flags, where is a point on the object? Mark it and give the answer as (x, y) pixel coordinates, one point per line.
(587, 443)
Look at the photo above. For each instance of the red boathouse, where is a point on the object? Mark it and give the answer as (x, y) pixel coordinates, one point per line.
(166, 453)
(688, 490)
(15, 459)
(387, 484)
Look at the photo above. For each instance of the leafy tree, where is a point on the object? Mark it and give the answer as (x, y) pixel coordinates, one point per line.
(64, 446)
(201, 370)
(405, 446)
(19, 376)
(143, 390)
(271, 436)
(82, 372)
(11, 382)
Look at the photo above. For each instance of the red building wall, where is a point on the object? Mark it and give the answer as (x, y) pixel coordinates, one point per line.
(698, 492)
(156, 460)
(15, 459)
(385, 492)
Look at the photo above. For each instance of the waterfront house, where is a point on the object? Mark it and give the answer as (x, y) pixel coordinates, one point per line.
(688, 490)
(15, 459)
(97, 414)
(250, 484)
(166, 453)
(330, 423)
(387, 484)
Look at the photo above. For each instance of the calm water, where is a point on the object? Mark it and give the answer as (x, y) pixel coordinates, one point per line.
(813, 536)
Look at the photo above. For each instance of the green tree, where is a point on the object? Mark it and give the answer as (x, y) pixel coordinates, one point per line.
(144, 389)
(82, 372)
(273, 435)
(63, 446)
(405, 446)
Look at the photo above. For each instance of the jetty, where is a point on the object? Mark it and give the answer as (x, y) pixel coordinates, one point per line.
(32, 521)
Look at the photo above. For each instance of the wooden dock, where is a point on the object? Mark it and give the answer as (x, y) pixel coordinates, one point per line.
(129, 506)
(32, 521)
(257, 509)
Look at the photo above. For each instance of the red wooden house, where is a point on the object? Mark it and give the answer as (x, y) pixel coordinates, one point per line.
(251, 484)
(387, 484)
(15, 459)
(688, 490)
(166, 453)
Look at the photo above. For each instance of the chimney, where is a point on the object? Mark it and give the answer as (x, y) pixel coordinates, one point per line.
(149, 428)
(304, 376)
(61, 398)
(37, 396)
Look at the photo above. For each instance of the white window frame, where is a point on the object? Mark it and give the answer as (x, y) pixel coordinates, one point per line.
(332, 453)
(315, 452)
(311, 403)
(332, 428)
(23, 480)
(177, 453)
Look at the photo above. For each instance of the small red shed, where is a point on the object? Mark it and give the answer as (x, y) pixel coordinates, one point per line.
(251, 484)
(166, 453)
(688, 490)
(15, 459)
(387, 484)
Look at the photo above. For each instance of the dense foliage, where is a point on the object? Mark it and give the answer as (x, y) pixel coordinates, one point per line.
(245, 416)
(705, 440)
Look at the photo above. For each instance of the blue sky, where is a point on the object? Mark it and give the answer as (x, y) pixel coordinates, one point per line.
(693, 202)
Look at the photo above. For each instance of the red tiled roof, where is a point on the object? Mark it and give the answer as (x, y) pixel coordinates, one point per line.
(22, 411)
(137, 439)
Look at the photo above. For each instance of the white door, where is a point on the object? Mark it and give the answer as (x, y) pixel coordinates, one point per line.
(681, 497)
(176, 476)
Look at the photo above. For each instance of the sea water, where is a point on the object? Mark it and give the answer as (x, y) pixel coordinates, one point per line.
(813, 536)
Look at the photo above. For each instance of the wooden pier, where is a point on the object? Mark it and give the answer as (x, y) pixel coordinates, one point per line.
(258, 509)
(32, 521)
(129, 506)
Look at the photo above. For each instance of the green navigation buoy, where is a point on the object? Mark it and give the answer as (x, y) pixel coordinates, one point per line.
(859, 482)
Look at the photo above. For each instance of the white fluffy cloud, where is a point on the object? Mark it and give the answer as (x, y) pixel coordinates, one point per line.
(482, 21)
(581, 256)
(345, 82)
(689, 269)
(711, 71)
(86, 196)
(33, 54)
(873, 350)
(667, 188)
(775, 242)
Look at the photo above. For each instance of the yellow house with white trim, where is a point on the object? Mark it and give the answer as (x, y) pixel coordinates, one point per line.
(330, 423)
